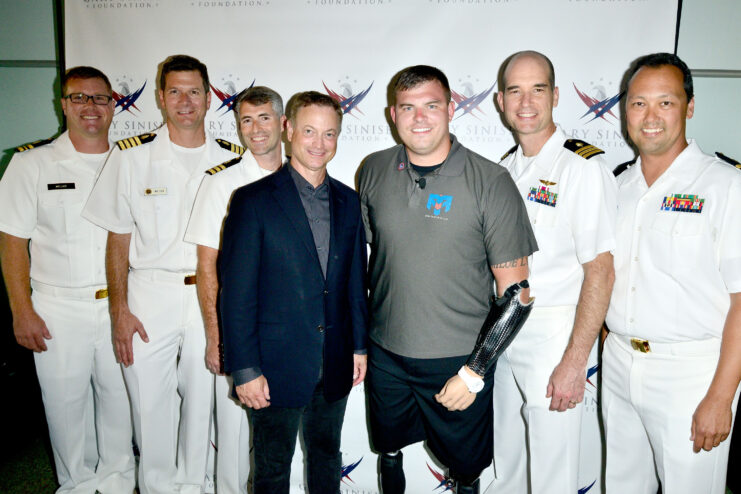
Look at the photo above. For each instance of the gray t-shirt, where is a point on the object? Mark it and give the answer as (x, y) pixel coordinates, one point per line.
(432, 244)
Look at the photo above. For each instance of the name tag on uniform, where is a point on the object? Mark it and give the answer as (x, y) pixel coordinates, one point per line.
(61, 186)
(155, 191)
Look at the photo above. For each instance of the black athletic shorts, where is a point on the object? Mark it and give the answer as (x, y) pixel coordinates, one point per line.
(403, 410)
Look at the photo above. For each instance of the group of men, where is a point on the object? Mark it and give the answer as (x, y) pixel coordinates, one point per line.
(274, 307)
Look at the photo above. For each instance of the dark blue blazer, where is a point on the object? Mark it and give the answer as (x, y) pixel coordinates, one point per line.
(278, 312)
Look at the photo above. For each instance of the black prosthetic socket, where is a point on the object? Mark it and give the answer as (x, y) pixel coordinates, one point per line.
(471, 488)
(465, 484)
(392, 474)
(506, 317)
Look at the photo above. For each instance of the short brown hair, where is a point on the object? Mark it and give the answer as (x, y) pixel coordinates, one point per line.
(412, 77)
(311, 98)
(84, 72)
(183, 63)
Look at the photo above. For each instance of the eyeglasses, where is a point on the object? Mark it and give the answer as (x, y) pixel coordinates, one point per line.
(82, 98)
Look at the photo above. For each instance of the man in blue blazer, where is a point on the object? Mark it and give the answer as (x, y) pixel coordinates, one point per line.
(293, 302)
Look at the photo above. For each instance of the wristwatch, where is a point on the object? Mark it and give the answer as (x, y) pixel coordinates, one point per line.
(474, 384)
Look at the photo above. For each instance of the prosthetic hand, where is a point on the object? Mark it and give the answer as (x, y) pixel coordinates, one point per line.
(506, 317)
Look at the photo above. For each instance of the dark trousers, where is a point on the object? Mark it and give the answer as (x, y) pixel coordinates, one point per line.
(274, 440)
(403, 410)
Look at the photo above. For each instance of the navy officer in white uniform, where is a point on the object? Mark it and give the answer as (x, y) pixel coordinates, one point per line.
(65, 320)
(144, 197)
(259, 112)
(672, 359)
(570, 195)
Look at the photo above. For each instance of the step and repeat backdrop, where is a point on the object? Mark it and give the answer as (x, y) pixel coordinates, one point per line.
(350, 49)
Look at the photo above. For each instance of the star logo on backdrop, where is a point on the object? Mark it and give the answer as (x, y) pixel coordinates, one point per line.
(228, 92)
(346, 96)
(468, 100)
(598, 103)
(125, 97)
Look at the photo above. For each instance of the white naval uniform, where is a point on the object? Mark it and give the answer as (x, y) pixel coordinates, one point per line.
(148, 192)
(676, 262)
(41, 196)
(204, 228)
(573, 223)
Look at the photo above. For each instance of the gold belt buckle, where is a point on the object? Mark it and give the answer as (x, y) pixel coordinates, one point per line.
(102, 293)
(190, 279)
(640, 345)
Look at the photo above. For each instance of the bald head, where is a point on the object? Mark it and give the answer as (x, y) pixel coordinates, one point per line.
(530, 55)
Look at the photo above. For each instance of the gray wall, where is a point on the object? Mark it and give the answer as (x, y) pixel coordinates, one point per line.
(710, 41)
(29, 88)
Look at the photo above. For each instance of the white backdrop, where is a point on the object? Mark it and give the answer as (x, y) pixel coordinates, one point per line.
(351, 48)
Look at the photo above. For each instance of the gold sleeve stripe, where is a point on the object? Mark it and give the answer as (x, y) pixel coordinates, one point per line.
(223, 166)
(234, 148)
(132, 142)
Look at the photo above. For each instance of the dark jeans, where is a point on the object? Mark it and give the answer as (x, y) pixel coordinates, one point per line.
(274, 441)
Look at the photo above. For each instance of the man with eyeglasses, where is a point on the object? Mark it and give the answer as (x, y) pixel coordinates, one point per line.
(144, 197)
(58, 293)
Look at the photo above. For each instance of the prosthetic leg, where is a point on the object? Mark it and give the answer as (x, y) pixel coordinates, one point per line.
(392, 473)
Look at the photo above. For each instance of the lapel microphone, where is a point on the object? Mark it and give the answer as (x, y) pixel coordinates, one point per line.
(421, 182)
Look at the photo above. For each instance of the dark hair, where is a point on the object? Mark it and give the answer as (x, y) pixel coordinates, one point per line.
(526, 53)
(183, 63)
(84, 72)
(259, 95)
(655, 60)
(412, 77)
(311, 98)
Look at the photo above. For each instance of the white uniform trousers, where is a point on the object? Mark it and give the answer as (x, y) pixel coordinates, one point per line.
(648, 400)
(170, 387)
(535, 449)
(85, 400)
(232, 440)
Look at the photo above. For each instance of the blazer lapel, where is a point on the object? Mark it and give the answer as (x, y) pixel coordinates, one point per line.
(337, 212)
(286, 195)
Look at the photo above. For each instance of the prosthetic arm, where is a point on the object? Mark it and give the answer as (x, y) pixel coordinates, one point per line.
(506, 317)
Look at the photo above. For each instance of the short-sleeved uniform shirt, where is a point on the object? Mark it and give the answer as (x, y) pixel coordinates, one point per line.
(572, 205)
(42, 194)
(677, 256)
(209, 209)
(146, 191)
(432, 247)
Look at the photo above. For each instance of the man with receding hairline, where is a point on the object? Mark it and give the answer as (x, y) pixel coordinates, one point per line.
(570, 196)
(58, 293)
(671, 363)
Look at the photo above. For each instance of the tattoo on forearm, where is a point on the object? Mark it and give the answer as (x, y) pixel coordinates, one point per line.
(512, 264)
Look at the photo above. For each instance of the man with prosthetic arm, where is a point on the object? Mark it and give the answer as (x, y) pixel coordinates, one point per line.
(570, 196)
(259, 113)
(144, 197)
(440, 220)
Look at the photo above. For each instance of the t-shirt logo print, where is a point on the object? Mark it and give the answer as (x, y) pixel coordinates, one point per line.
(438, 203)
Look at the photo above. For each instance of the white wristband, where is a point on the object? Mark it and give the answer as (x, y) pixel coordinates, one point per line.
(474, 384)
